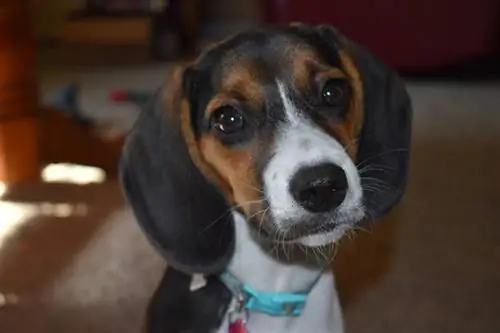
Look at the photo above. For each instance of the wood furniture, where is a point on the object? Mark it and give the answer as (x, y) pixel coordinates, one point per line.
(65, 141)
(30, 135)
(169, 29)
(19, 149)
(108, 31)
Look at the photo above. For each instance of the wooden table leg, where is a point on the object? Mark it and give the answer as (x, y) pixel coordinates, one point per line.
(19, 149)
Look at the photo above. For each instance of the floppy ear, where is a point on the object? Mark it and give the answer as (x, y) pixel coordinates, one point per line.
(384, 142)
(384, 146)
(182, 213)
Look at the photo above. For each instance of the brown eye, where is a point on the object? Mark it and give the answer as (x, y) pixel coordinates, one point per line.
(335, 92)
(227, 120)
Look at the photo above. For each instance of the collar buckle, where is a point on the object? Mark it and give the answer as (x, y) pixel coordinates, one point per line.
(240, 301)
(289, 308)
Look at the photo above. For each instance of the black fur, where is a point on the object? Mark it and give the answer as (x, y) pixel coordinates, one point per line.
(175, 309)
(384, 145)
(186, 217)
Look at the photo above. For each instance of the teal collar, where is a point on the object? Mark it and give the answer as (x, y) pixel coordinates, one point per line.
(273, 304)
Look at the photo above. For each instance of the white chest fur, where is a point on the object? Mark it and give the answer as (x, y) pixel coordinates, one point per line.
(251, 265)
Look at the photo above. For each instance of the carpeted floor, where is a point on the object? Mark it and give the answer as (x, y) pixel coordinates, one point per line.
(433, 266)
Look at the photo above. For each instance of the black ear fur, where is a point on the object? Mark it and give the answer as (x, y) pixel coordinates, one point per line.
(384, 143)
(174, 308)
(184, 216)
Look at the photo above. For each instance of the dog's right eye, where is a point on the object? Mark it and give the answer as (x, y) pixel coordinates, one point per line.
(335, 93)
(227, 120)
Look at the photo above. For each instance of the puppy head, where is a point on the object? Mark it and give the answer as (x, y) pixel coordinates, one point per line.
(299, 129)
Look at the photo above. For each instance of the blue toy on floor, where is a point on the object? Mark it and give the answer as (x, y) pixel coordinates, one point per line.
(66, 101)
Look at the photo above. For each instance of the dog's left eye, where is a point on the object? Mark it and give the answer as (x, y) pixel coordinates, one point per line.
(227, 120)
(335, 92)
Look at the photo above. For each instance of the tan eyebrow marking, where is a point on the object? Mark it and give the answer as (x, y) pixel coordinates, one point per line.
(242, 81)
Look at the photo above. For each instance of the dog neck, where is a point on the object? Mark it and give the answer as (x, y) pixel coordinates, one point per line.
(253, 266)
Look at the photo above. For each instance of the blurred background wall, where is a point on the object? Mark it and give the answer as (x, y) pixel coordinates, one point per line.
(411, 35)
(415, 36)
(49, 16)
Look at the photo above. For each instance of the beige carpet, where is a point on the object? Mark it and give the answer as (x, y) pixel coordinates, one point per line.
(108, 286)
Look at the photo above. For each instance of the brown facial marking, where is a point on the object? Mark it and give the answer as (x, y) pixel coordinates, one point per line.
(304, 64)
(196, 154)
(218, 101)
(354, 120)
(309, 69)
(173, 91)
(241, 81)
(240, 84)
(346, 131)
(229, 170)
(342, 135)
(236, 168)
(329, 73)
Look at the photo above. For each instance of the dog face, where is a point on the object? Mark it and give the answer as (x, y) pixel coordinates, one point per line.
(277, 118)
(298, 128)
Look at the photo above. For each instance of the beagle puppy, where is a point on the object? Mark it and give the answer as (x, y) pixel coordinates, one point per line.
(251, 164)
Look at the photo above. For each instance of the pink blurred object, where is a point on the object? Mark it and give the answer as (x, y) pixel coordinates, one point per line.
(414, 35)
(131, 96)
(237, 327)
(118, 96)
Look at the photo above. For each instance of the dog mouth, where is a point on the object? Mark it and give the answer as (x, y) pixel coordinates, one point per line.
(311, 230)
(268, 230)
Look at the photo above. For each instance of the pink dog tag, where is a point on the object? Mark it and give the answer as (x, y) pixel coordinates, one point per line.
(238, 326)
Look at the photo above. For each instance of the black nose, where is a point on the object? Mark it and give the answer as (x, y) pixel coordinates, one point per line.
(319, 188)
